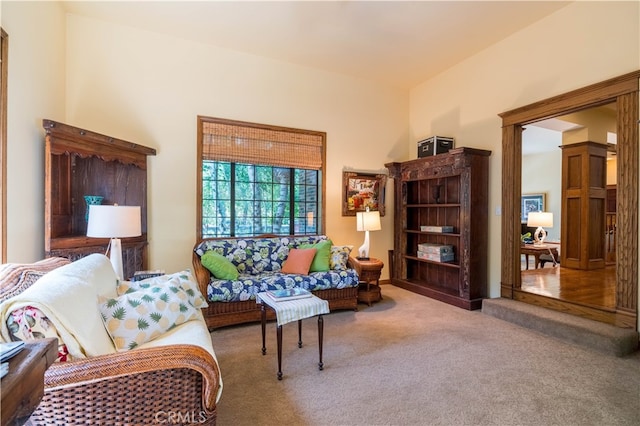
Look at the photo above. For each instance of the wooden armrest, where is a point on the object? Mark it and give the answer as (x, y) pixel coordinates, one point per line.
(105, 367)
(202, 274)
(354, 264)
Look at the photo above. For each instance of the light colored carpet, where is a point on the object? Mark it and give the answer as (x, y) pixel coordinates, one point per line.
(411, 360)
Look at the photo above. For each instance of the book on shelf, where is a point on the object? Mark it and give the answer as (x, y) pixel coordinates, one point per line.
(288, 294)
(441, 229)
(10, 349)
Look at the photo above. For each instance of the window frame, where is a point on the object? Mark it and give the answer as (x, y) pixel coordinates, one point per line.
(201, 120)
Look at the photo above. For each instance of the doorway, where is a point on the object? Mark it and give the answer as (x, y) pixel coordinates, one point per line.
(623, 91)
(544, 144)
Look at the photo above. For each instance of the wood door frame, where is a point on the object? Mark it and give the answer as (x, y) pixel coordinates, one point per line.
(4, 56)
(624, 91)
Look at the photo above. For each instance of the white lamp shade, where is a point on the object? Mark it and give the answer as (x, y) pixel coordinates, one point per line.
(114, 221)
(368, 221)
(544, 219)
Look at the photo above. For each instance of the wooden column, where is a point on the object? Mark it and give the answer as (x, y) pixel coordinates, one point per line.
(584, 167)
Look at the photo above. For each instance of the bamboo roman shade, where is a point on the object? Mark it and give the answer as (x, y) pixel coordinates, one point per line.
(240, 142)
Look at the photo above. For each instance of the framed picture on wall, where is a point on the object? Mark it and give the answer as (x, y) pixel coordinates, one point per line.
(531, 203)
(360, 190)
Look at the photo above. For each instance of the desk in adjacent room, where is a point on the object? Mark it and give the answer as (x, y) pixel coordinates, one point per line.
(538, 250)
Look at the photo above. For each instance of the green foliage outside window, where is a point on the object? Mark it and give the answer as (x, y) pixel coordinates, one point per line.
(246, 199)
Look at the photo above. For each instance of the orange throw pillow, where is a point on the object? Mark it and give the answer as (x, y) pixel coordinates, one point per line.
(299, 261)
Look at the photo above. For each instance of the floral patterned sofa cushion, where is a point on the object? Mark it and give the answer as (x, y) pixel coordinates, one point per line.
(259, 261)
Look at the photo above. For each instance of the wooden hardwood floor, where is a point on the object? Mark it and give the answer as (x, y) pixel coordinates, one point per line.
(593, 288)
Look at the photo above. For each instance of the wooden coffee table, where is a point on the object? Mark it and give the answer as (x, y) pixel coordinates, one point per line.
(292, 310)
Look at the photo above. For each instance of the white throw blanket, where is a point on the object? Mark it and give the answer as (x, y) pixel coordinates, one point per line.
(68, 297)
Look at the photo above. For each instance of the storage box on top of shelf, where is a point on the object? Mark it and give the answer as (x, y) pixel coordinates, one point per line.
(436, 257)
(434, 145)
(435, 248)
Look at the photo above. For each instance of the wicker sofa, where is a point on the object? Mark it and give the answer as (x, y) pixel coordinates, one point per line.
(167, 376)
(259, 260)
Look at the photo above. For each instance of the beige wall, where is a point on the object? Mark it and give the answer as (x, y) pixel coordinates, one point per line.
(149, 88)
(581, 44)
(36, 90)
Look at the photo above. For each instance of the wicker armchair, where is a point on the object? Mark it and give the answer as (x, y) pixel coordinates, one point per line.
(175, 384)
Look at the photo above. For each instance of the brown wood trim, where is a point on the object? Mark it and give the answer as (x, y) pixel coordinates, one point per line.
(511, 170)
(600, 315)
(595, 94)
(624, 91)
(627, 203)
(66, 139)
(4, 73)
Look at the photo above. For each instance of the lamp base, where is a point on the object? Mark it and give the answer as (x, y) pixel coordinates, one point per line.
(539, 236)
(363, 251)
(116, 257)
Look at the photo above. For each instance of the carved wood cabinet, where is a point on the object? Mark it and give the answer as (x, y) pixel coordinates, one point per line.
(79, 162)
(443, 190)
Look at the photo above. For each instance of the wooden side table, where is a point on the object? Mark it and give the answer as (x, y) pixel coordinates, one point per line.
(23, 386)
(369, 272)
(293, 310)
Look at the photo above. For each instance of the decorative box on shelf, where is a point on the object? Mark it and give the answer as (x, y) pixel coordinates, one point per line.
(434, 145)
(436, 252)
(443, 229)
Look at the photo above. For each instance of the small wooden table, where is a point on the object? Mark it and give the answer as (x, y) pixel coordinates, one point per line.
(23, 386)
(293, 310)
(537, 251)
(369, 272)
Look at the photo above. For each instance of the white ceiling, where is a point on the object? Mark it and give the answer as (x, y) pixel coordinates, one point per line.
(400, 43)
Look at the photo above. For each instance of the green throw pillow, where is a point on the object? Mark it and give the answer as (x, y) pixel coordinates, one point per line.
(220, 266)
(323, 254)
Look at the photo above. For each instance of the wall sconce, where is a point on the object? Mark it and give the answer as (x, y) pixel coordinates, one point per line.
(114, 222)
(367, 221)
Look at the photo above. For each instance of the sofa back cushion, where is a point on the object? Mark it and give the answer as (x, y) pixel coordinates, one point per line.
(255, 255)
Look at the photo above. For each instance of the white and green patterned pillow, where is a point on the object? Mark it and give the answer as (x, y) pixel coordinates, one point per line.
(141, 316)
(339, 257)
(183, 279)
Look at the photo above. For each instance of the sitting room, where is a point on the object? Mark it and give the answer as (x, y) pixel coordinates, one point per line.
(170, 167)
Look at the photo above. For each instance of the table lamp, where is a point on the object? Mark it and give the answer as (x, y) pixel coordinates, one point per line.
(540, 219)
(114, 222)
(367, 221)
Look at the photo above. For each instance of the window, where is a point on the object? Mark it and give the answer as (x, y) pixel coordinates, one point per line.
(257, 179)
